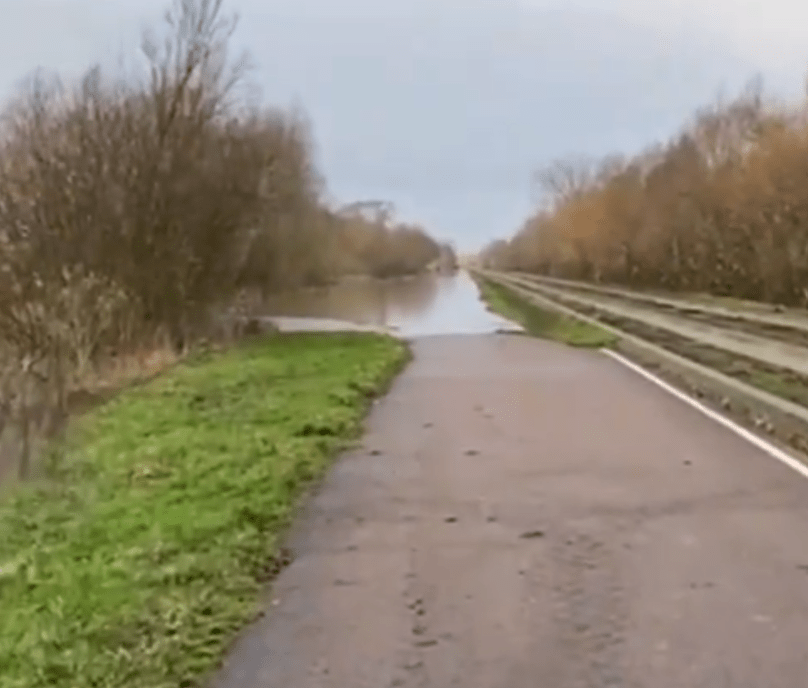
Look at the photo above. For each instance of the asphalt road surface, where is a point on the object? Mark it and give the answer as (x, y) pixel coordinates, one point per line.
(525, 515)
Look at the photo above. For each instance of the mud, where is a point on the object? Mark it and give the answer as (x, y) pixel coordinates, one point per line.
(523, 514)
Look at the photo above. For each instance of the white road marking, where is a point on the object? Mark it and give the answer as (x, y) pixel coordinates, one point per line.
(749, 436)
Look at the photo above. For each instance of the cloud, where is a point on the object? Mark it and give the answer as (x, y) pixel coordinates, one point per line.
(447, 106)
(772, 34)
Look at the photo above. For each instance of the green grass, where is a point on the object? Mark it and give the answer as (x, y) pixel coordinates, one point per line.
(539, 322)
(137, 563)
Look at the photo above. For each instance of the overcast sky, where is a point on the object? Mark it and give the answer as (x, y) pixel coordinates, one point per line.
(446, 107)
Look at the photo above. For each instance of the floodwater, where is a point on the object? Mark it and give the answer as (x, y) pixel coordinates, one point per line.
(422, 305)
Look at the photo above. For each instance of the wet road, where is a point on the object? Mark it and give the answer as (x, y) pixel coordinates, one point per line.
(525, 515)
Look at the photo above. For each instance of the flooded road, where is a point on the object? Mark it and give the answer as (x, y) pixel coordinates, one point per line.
(423, 305)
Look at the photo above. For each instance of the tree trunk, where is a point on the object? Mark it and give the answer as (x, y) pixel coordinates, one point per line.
(25, 438)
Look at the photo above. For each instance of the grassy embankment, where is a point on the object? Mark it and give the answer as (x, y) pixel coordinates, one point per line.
(147, 549)
(539, 322)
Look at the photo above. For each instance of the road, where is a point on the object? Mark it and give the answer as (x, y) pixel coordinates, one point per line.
(748, 337)
(526, 515)
(755, 346)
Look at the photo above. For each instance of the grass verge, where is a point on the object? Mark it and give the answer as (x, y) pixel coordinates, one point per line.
(539, 322)
(148, 550)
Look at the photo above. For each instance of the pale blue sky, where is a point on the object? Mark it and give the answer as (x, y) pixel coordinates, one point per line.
(446, 107)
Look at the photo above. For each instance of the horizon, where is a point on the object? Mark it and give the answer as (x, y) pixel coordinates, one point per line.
(447, 109)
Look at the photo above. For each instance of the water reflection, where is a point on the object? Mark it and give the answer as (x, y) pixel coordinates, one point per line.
(416, 306)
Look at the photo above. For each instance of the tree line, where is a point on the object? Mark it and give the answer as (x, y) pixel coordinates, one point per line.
(136, 207)
(722, 208)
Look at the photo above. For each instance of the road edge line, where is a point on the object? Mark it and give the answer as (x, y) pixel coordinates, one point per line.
(762, 444)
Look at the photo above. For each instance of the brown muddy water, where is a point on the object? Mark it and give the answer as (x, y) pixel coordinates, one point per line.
(418, 306)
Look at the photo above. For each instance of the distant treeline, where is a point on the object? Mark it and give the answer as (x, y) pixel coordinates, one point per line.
(722, 208)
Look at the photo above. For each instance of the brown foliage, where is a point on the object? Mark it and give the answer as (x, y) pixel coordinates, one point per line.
(370, 244)
(721, 208)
